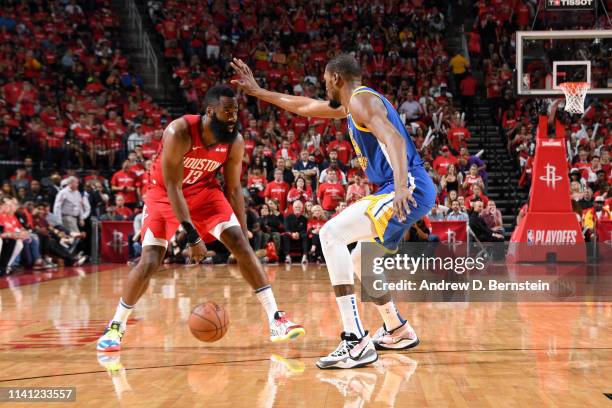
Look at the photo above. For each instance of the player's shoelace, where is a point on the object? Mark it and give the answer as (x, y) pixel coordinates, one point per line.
(113, 331)
(281, 317)
(381, 332)
(348, 343)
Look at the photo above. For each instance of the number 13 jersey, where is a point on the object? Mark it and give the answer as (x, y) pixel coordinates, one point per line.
(200, 163)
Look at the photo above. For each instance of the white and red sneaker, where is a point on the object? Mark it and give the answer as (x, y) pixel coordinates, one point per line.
(282, 329)
(401, 338)
(352, 352)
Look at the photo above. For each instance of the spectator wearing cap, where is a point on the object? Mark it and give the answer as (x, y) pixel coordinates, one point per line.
(595, 214)
(576, 176)
(442, 162)
(70, 206)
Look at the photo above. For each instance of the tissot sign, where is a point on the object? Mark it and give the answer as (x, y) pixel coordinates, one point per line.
(570, 4)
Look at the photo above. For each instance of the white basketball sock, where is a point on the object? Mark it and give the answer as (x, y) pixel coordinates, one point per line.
(266, 297)
(390, 315)
(122, 313)
(350, 315)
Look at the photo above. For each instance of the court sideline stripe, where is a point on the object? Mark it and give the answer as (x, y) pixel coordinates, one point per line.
(299, 358)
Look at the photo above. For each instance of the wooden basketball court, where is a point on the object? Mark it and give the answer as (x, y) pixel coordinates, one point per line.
(471, 355)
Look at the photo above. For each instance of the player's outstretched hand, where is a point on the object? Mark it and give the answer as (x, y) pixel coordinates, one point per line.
(196, 252)
(401, 202)
(246, 80)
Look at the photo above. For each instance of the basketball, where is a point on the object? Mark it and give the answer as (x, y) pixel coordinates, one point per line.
(208, 322)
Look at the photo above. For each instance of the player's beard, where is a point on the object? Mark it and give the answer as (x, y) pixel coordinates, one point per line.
(221, 130)
(334, 101)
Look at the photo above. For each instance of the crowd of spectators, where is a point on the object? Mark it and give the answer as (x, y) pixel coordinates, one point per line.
(69, 99)
(85, 109)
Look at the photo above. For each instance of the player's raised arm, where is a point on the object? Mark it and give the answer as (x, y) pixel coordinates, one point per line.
(233, 188)
(368, 110)
(299, 105)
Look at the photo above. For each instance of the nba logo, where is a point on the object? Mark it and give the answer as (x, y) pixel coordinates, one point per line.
(530, 236)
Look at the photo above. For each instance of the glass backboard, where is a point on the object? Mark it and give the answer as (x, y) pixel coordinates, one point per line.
(545, 59)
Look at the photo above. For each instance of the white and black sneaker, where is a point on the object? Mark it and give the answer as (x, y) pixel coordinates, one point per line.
(352, 352)
(401, 338)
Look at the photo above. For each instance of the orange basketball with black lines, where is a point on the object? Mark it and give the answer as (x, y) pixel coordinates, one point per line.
(208, 322)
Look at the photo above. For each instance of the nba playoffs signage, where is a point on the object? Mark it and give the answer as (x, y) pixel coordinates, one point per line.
(549, 229)
(569, 4)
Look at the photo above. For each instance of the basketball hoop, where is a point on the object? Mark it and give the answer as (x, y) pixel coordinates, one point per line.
(575, 92)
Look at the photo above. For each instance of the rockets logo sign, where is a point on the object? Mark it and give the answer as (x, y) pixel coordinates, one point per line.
(551, 176)
(118, 241)
(570, 4)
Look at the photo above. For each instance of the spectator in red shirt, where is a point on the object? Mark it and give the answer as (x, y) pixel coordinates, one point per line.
(120, 207)
(458, 136)
(357, 190)
(315, 222)
(330, 193)
(278, 189)
(442, 162)
(300, 191)
(286, 152)
(54, 143)
(342, 147)
(125, 183)
(137, 167)
(476, 195)
(468, 94)
(472, 179)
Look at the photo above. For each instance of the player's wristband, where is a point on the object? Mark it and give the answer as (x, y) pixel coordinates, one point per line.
(193, 238)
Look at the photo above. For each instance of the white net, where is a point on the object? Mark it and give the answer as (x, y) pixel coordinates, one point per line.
(575, 92)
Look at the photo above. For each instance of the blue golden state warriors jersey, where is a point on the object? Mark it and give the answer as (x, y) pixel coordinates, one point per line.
(372, 154)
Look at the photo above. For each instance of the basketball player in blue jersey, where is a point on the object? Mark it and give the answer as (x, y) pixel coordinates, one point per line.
(406, 193)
